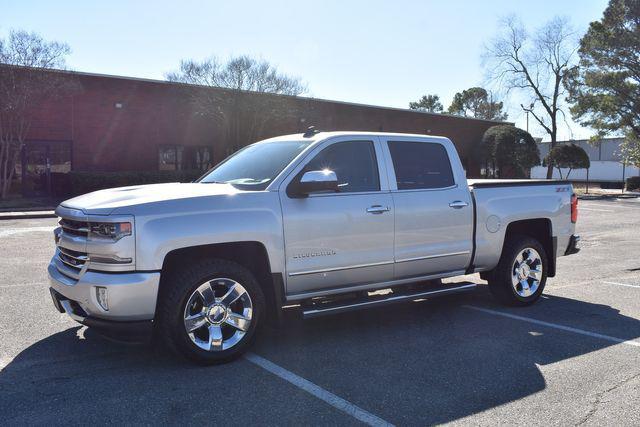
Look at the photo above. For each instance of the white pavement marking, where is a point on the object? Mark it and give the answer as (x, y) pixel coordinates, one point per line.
(322, 394)
(582, 284)
(620, 206)
(11, 231)
(22, 285)
(621, 284)
(556, 326)
(582, 208)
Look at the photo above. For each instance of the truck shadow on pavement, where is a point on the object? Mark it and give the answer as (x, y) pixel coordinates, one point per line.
(417, 363)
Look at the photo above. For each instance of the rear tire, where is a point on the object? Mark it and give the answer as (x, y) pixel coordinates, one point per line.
(521, 274)
(210, 311)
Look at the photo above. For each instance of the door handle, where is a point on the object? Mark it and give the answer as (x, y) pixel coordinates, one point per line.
(458, 204)
(377, 209)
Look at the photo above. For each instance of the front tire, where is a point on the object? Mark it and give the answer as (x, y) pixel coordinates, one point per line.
(210, 311)
(521, 274)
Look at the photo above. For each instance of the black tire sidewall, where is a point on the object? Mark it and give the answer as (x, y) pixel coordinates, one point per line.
(501, 285)
(184, 284)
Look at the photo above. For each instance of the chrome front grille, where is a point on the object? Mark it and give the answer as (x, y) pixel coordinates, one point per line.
(74, 228)
(73, 259)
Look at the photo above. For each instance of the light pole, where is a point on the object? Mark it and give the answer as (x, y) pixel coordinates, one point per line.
(527, 111)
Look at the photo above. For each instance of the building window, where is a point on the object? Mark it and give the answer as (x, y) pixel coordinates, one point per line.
(170, 157)
(202, 158)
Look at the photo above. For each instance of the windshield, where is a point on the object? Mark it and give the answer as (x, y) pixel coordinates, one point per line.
(255, 166)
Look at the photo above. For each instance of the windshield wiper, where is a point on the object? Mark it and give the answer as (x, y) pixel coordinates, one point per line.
(213, 182)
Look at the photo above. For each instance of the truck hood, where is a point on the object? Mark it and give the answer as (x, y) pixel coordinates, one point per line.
(105, 202)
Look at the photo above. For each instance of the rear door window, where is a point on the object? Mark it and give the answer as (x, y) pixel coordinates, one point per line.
(420, 165)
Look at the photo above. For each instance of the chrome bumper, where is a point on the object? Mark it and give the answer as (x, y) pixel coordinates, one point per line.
(131, 296)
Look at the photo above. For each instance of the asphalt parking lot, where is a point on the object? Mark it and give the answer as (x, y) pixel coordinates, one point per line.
(571, 359)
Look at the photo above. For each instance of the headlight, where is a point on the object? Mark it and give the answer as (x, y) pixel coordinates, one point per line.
(109, 230)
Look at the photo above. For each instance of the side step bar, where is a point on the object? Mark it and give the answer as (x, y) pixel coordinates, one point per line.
(325, 308)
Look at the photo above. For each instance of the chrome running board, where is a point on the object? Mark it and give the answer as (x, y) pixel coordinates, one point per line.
(323, 307)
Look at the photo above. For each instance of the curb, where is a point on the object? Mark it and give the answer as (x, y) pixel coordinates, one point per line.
(27, 215)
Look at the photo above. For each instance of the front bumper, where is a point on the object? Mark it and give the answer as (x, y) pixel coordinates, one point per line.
(573, 248)
(132, 331)
(131, 296)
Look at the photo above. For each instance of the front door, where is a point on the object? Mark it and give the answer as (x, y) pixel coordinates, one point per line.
(345, 238)
(433, 208)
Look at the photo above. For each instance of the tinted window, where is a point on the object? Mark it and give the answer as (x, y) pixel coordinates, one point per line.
(255, 166)
(420, 165)
(354, 163)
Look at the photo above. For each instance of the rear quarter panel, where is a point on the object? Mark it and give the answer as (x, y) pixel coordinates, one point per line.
(497, 207)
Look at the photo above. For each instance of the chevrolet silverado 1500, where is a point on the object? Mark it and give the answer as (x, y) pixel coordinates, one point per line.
(317, 219)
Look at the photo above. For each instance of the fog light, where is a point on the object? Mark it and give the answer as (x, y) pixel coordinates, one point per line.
(101, 296)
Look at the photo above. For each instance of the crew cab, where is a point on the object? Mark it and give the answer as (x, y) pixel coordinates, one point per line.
(323, 220)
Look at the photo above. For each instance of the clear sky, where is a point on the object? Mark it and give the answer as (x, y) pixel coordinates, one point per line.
(374, 52)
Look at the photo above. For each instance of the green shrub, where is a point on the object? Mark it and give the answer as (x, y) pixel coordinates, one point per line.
(633, 183)
(567, 156)
(86, 182)
(509, 151)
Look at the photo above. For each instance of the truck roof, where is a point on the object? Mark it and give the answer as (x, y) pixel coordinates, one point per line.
(324, 135)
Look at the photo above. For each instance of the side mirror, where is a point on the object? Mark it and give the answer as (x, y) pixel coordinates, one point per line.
(317, 181)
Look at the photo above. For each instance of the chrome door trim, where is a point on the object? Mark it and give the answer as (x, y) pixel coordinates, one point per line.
(370, 286)
(378, 209)
(349, 267)
(458, 204)
(433, 256)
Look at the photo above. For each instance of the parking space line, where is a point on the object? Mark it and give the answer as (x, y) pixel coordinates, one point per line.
(618, 207)
(317, 391)
(582, 208)
(621, 284)
(12, 231)
(22, 285)
(582, 284)
(555, 326)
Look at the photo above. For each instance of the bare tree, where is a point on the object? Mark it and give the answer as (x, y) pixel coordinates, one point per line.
(243, 117)
(24, 85)
(538, 65)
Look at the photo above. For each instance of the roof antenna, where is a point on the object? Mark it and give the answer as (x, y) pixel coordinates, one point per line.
(311, 130)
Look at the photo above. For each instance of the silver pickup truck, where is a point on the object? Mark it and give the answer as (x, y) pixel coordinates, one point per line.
(326, 221)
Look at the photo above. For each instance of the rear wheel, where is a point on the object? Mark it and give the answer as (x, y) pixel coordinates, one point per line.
(521, 274)
(211, 311)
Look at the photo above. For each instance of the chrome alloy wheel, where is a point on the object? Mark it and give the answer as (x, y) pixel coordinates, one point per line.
(526, 273)
(218, 314)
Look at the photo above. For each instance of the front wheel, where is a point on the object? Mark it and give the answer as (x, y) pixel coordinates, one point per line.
(210, 311)
(521, 274)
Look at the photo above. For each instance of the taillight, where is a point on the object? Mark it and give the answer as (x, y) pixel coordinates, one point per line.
(574, 208)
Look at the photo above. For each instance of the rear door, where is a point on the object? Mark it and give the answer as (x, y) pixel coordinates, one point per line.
(433, 207)
(337, 239)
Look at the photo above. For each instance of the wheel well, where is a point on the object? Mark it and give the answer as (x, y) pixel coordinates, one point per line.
(251, 255)
(541, 230)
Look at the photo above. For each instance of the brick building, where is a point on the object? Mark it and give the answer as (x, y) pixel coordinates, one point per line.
(116, 123)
